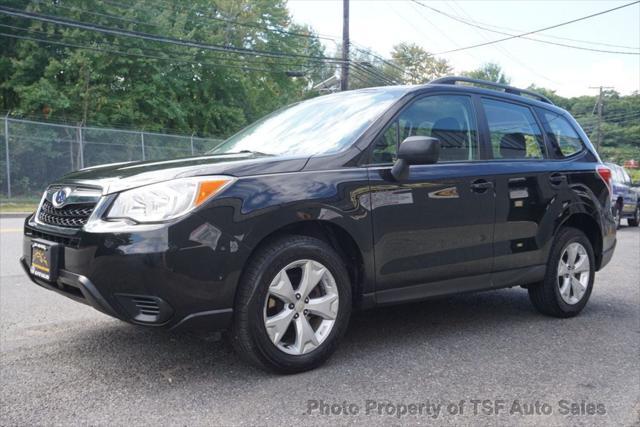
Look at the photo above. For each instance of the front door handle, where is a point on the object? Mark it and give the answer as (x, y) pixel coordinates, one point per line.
(481, 185)
(557, 179)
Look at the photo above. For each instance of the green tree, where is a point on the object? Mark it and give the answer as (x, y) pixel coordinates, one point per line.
(155, 86)
(491, 72)
(419, 65)
(95, 79)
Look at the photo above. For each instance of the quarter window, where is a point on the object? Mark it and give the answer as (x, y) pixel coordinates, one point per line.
(513, 130)
(450, 118)
(563, 137)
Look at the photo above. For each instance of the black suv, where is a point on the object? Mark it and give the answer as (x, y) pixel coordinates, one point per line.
(351, 200)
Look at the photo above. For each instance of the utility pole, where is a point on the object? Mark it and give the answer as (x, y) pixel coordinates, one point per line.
(598, 110)
(8, 159)
(344, 78)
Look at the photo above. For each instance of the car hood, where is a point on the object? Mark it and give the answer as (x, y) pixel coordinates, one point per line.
(123, 176)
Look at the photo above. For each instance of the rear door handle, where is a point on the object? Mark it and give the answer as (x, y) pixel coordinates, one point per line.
(481, 185)
(557, 179)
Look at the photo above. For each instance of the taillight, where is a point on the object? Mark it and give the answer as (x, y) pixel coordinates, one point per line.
(605, 174)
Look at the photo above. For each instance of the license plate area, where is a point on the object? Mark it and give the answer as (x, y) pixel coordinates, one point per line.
(45, 259)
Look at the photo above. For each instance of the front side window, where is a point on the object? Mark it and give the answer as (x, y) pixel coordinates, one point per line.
(514, 133)
(450, 118)
(563, 137)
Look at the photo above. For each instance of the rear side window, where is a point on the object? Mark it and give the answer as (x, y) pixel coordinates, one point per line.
(450, 118)
(514, 132)
(563, 137)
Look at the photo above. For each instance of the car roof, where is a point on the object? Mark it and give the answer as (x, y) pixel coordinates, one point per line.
(425, 88)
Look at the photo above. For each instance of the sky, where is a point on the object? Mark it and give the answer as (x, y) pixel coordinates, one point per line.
(380, 24)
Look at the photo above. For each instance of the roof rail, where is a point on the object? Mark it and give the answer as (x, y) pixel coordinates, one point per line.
(506, 88)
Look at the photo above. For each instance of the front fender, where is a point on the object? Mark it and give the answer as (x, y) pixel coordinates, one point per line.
(256, 207)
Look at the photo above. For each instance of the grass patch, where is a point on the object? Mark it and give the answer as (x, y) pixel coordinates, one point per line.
(18, 205)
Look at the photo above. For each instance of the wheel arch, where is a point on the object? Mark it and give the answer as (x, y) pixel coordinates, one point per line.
(590, 227)
(334, 235)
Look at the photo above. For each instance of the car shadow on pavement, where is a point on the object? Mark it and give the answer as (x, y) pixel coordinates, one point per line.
(440, 325)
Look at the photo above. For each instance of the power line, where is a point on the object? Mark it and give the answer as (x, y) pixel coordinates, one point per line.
(204, 15)
(164, 52)
(502, 49)
(589, 42)
(419, 29)
(611, 117)
(522, 35)
(367, 51)
(592, 120)
(118, 52)
(375, 72)
(365, 78)
(153, 37)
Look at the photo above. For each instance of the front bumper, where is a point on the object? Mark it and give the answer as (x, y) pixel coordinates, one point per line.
(180, 275)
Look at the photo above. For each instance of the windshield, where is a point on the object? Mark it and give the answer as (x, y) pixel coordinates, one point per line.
(321, 125)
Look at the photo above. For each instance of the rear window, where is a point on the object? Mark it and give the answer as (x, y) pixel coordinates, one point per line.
(565, 140)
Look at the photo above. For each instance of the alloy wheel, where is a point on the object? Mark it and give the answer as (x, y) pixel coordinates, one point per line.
(574, 270)
(301, 307)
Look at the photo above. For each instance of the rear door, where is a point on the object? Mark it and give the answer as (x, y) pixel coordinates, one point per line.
(433, 231)
(526, 187)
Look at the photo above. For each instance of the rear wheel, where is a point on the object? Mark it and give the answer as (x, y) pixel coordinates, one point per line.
(293, 305)
(633, 222)
(568, 282)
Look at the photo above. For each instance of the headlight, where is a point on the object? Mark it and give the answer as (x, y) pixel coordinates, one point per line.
(166, 200)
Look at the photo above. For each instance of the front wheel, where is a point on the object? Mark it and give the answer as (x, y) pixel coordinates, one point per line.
(633, 222)
(568, 282)
(293, 305)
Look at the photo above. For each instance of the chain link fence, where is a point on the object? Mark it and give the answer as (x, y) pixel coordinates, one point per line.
(35, 153)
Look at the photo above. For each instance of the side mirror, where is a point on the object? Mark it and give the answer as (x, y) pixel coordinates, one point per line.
(415, 150)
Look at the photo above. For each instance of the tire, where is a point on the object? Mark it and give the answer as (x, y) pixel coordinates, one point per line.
(264, 296)
(633, 222)
(546, 296)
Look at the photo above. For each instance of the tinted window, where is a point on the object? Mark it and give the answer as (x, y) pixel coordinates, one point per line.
(513, 130)
(449, 118)
(563, 137)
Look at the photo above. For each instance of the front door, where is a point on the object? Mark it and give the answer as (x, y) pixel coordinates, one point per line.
(433, 232)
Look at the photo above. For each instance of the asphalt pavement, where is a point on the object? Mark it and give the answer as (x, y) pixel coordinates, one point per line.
(484, 358)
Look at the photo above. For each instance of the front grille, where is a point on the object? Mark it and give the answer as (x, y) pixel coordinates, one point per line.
(66, 241)
(72, 216)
